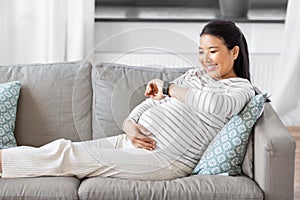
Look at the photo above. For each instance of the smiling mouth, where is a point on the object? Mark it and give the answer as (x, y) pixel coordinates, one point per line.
(211, 67)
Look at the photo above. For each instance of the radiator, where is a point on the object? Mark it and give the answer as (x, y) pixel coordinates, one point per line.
(264, 69)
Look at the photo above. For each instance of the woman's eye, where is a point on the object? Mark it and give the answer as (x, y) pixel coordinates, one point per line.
(201, 52)
(213, 51)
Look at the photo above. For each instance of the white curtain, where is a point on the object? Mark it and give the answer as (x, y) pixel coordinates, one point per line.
(286, 99)
(45, 30)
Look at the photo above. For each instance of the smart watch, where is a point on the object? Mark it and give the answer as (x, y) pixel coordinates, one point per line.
(165, 88)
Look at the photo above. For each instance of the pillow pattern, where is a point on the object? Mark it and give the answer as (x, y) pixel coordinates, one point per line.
(226, 152)
(9, 94)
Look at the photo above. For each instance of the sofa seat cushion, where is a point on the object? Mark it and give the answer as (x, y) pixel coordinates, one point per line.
(39, 188)
(192, 187)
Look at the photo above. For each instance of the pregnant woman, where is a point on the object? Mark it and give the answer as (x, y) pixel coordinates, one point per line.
(168, 132)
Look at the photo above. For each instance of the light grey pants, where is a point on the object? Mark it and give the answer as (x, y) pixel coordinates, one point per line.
(107, 157)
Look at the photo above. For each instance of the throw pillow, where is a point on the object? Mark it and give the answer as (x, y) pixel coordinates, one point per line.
(226, 152)
(9, 94)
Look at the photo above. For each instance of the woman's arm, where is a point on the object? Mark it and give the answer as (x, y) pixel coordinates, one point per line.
(154, 90)
(220, 100)
(213, 99)
(135, 132)
(178, 92)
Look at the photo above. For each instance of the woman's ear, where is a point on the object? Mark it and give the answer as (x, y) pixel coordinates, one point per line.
(235, 52)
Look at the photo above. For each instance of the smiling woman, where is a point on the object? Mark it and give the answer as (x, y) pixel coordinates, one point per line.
(223, 50)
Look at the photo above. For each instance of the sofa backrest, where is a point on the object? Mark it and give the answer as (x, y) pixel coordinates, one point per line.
(55, 101)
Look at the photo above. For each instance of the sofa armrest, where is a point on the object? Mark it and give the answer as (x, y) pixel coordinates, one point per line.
(274, 156)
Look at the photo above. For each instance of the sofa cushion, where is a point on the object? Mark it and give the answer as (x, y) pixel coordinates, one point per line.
(226, 151)
(39, 188)
(192, 187)
(117, 89)
(9, 95)
(55, 101)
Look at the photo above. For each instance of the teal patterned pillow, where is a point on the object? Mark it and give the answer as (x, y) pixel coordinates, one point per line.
(9, 95)
(226, 152)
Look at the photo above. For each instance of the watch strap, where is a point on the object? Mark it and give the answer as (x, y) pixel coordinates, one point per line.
(165, 88)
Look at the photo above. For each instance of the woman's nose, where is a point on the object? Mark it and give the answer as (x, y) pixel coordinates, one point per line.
(207, 57)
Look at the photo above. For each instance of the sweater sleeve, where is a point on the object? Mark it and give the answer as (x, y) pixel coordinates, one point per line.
(227, 100)
(144, 106)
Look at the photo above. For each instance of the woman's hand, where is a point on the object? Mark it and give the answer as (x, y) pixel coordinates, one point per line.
(154, 89)
(138, 135)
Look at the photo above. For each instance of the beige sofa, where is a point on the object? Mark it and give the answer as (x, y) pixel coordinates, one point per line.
(78, 101)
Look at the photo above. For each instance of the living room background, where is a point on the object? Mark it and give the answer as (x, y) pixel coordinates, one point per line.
(53, 31)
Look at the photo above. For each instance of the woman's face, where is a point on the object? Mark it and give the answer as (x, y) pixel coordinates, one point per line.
(216, 58)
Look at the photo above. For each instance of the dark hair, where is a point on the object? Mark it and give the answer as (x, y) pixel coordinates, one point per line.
(232, 36)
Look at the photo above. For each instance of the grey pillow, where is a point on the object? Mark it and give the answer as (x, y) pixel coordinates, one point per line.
(117, 89)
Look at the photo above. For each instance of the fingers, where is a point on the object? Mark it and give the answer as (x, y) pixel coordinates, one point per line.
(154, 89)
(148, 91)
(151, 89)
(144, 143)
(139, 136)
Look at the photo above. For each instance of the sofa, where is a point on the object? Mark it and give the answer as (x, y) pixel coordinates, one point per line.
(79, 101)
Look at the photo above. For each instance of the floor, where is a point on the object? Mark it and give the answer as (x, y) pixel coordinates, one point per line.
(295, 132)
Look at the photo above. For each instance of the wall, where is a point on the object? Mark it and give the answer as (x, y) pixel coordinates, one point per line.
(176, 45)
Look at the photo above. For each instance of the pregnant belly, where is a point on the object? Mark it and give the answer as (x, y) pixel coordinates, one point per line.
(172, 125)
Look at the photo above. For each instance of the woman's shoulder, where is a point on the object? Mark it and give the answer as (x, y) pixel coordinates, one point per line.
(241, 84)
